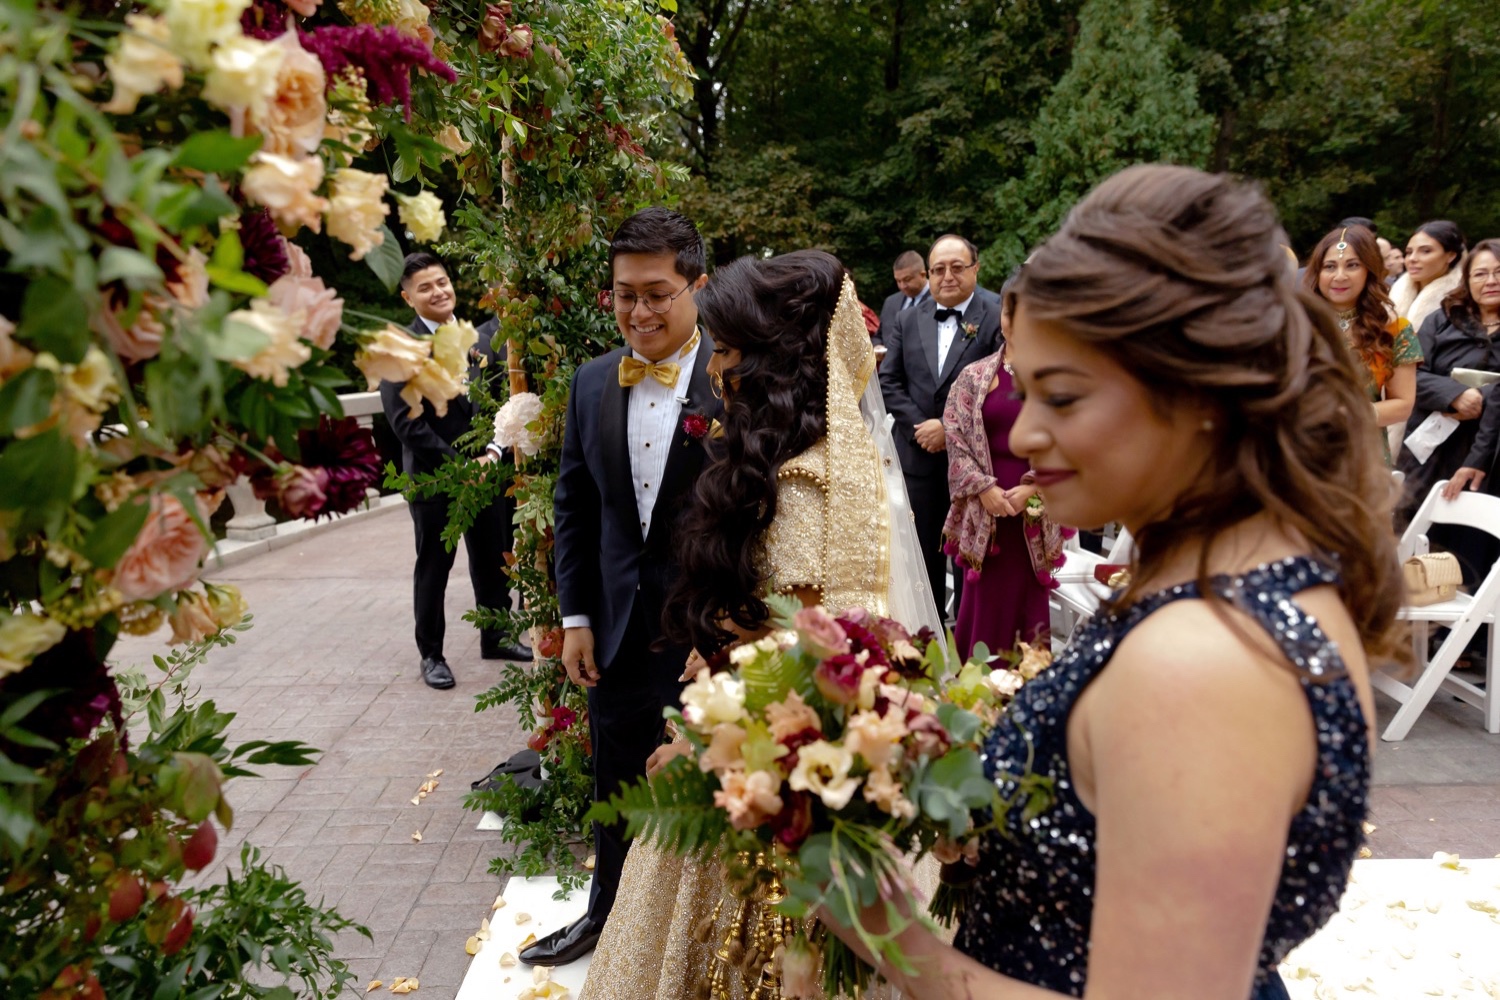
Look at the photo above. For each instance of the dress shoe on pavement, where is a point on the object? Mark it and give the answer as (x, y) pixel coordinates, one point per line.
(436, 673)
(495, 651)
(566, 945)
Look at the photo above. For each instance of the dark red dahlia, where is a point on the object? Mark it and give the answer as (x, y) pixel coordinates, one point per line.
(265, 251)
(346, 452)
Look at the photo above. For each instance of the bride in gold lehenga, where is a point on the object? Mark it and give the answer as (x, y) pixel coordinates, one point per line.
(805, 497)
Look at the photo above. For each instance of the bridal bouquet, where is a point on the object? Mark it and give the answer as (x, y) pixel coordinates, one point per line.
(821, 753)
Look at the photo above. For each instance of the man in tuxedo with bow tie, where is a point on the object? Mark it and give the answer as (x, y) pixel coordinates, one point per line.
(926, 347)
(632, 450)
(910, 271)
(426, 443)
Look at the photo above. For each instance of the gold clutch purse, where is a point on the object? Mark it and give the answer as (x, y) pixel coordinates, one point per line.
(1431, 578)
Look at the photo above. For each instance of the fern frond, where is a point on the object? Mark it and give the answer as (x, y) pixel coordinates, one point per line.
(769, 678)
(674, 810)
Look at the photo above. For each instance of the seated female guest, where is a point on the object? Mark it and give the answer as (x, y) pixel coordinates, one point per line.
(1432, 257)
(1006, 551)
(1461, 334)
(1207, 734)
(1345, 269)
(1481, 309)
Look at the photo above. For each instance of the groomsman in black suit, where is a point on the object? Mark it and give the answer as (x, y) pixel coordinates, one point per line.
(426, 443)
(926, 347)
(910, 271)
(632, 450)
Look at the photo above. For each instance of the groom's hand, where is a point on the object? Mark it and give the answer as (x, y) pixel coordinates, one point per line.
(578, 656)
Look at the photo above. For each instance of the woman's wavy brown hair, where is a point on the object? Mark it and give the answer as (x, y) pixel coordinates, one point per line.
(1179, 277)
(1370, 336)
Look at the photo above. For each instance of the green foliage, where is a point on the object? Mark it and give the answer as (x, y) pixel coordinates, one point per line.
(1122, 101)
(673, 809)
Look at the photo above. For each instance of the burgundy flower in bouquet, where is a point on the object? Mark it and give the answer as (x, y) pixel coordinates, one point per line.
(265, 252)
(86, 694)
(695, 426)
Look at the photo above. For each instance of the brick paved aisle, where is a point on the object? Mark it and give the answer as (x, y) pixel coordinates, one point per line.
(331, 661)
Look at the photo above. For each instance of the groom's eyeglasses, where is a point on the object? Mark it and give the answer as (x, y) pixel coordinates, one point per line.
(657, 302)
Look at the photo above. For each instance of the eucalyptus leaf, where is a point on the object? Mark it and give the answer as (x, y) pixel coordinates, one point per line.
(130, 266)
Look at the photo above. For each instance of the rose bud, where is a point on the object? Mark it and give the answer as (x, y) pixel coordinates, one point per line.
(179, 934)
(126, 898)
(838, 678)
(198, 852)
(538, 740)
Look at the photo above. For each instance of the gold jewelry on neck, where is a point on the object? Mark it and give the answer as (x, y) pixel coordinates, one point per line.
(1346, 319)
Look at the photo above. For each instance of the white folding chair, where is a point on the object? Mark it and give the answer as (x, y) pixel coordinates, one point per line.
(1078, 594)
(1463, 615)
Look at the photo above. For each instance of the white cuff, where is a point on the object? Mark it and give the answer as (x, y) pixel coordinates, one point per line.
(576, 621)
(495, 449)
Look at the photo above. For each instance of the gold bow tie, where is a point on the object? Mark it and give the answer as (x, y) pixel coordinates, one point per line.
(633, 369)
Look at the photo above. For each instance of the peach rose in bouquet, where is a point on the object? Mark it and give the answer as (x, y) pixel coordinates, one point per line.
(166, 555)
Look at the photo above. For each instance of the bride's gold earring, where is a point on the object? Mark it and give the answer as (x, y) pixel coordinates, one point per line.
(716, 384)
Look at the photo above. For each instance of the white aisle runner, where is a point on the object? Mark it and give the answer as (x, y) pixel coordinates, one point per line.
(488, 979)
(1406, 930)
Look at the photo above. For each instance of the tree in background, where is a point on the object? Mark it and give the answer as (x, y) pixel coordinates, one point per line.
(1124, 100)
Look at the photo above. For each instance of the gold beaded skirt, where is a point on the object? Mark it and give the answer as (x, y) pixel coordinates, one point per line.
(679, 931)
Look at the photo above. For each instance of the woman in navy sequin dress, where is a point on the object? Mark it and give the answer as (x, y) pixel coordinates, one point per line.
(1208, 733)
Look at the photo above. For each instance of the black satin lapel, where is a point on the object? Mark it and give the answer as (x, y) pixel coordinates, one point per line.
(928, 333)
(686, 456)
(614, 418)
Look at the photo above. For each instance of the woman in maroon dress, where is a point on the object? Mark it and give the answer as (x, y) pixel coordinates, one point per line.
(996, 530)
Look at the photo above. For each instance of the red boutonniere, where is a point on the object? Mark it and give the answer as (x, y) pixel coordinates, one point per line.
(971, 330)
(695, 426)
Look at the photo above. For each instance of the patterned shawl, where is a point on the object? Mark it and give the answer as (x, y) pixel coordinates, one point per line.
(970, 529)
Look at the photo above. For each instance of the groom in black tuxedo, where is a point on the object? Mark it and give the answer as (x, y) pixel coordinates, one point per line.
(426, 443)
(632, 450)
(926, 347)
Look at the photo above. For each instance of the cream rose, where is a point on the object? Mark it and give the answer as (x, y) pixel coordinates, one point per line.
(198, 25)
(226, 604)
(286, 187)
(791, 716)
(875, 737)
(451, 344)
(192, 619)
(91, 383)
(143, 64)
(297, 113)
(357, 210)
(391, 355)
(884, 792)
(433, 383)
(724, 751)
(244, 74)
(284, 349)
(450, 137)
(24, 637)
(321, 307)
(423, 215)
(165, 556)
(711, 699)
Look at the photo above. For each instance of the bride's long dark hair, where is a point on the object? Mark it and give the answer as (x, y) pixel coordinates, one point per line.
(776, 313)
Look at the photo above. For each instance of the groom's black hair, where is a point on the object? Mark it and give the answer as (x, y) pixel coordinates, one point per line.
(661, 230)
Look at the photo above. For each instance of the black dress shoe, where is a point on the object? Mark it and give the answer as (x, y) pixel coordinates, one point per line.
(495, 651)
(566, 945)
(436, 673)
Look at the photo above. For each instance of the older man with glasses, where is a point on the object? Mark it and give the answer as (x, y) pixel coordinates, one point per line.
(926, 347)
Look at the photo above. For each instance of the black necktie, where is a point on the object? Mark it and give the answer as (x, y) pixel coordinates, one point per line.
(947, 314)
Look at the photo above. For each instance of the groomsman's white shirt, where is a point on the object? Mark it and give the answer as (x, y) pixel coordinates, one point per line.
(650, 430)
(947, 330)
